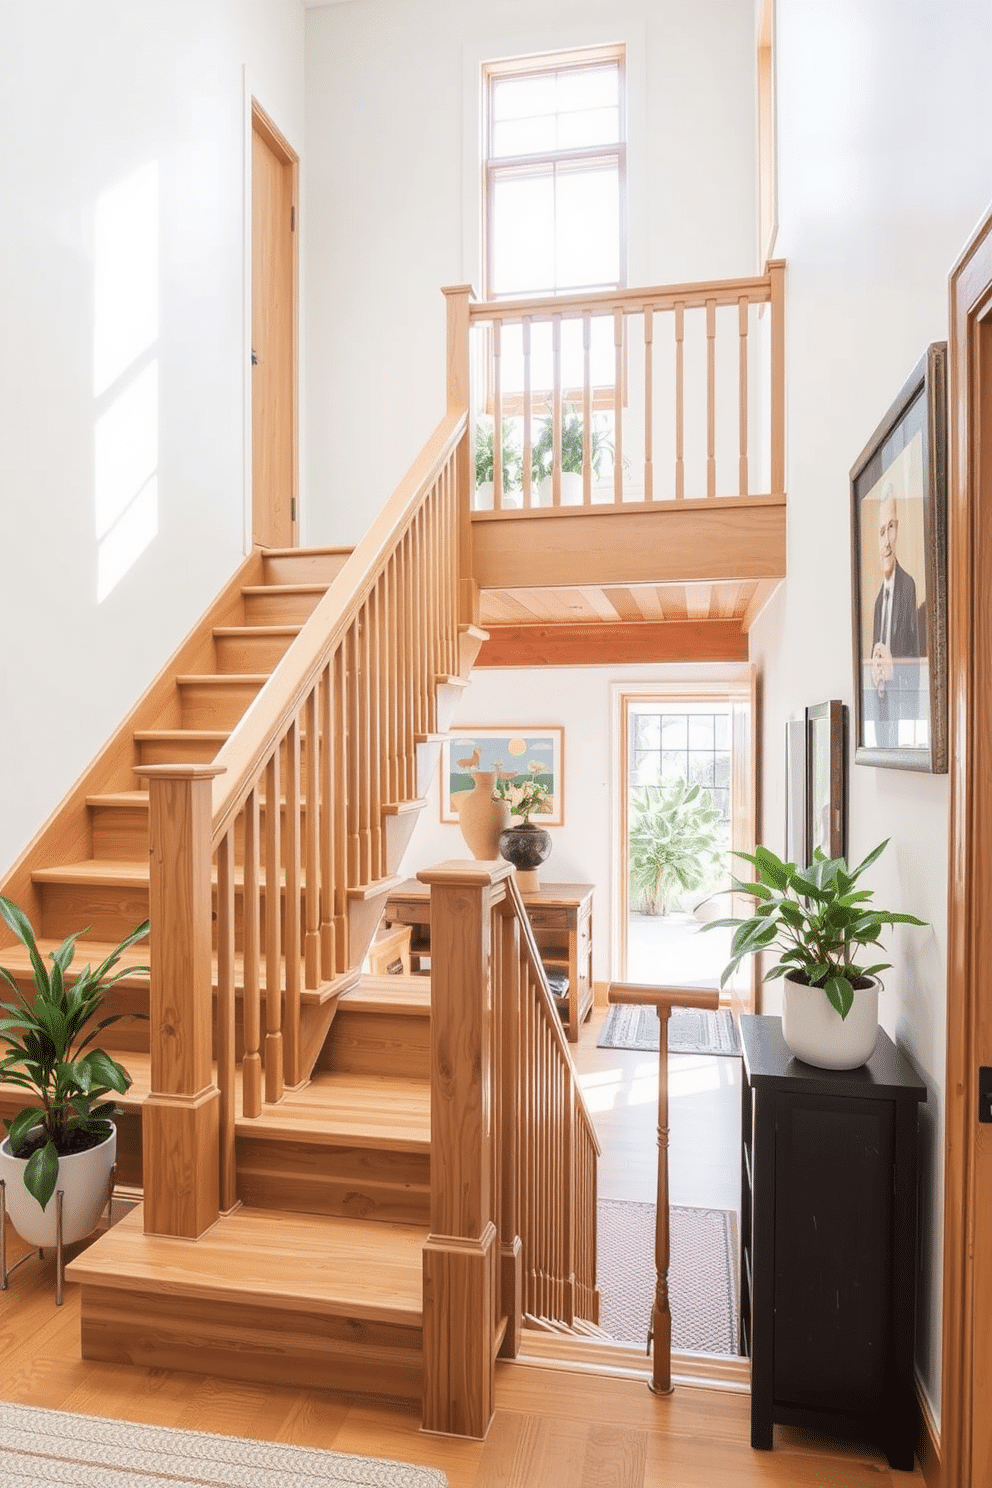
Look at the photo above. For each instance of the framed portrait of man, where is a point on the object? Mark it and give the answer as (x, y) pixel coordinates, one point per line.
(899, 578)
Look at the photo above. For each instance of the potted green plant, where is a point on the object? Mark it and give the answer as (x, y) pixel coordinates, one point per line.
(525, 845)
(572, 449)
(818, 921)
(674, 844)
(65, 1137)
(485, 459)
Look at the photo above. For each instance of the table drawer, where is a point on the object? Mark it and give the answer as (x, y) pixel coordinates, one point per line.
(548, 919)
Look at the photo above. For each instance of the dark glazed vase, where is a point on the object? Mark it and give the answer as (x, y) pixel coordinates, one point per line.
(526, 846)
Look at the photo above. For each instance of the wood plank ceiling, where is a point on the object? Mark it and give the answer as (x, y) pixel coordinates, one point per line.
(621, 622)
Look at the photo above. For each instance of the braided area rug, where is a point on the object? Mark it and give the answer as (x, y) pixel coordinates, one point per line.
(702, 1275)
(690, 1030)
(52, 1449)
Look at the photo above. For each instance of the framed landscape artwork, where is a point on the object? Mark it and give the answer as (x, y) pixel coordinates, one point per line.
(899, 578)
(512, 754)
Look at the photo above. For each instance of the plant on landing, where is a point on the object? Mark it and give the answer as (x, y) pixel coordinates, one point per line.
(816, 919)
(571, 445)
(674, 844)
(485, 455)
(50, 1056)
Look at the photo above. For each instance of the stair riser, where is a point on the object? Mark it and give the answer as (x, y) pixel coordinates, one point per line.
(354, 1182)
(302, 567)
(110, 913)
(213, 705)
(261, 653)
(243, 1340)
(120, 832)
(180, 751)
(279, 609)
(378, 1044)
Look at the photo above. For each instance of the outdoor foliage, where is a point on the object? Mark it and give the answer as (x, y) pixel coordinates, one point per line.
(674, 844)
(571, 445)
(50, 1054)
(815, 918)
(485, 455)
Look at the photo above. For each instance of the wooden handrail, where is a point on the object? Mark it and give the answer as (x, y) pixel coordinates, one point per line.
(663, 1000)
(700, 336)
(757, 289)
(266, 721)
(513, 1149)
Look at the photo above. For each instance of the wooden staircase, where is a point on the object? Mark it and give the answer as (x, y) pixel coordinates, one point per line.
(329, 1162)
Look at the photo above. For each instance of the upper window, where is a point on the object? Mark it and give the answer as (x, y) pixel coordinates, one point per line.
(555, 173)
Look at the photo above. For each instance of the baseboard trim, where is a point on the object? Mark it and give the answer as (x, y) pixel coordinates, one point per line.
(928, 1440)
(602, 1356)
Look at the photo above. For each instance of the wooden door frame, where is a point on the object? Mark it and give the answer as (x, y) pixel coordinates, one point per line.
(261, 122)
(744, 766)
(969, 927)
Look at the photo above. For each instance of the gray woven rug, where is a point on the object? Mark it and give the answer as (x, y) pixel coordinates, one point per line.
(702, 1275)
(690, 1030)
(52, 1449)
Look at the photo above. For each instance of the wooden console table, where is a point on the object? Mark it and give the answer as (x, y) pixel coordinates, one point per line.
(561, 917)
(828, 1241)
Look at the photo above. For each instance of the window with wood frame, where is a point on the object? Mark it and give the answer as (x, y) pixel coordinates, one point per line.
(555, 173)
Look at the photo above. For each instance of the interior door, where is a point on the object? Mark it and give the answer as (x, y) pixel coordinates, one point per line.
(273, 336)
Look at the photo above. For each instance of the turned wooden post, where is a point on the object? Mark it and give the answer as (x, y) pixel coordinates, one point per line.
(460, 1256)
(776, 273)
(662, 999)
(459, 297)
(180, 1119)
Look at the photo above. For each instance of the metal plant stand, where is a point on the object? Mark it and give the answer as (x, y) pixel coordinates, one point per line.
(7, 1271)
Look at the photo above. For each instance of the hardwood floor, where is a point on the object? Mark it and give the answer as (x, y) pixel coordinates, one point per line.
(554, 1428)
(621, 1089)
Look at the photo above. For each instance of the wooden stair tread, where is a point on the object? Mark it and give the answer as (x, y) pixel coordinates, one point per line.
(135, 799)
(388, 994)
(402, 808)
(223, 679)
(310, 552)
(111, 873)
(241, 632)
(382, 1111)
(377, 886)
(272, 1258)
(151, 736)
(253, 589)
(16, 959)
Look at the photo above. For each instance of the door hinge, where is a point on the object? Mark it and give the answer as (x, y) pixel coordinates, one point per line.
(292, 218)
(985, 1093)
(292, 508)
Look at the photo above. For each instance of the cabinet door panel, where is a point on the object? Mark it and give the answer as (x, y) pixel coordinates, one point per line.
(833, 1246)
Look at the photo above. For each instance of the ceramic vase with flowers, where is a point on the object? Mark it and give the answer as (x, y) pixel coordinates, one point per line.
(525, 845)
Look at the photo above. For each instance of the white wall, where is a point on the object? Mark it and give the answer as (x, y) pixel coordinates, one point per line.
(885, 165)
(582, 701)
(90, 95)
(394, 196)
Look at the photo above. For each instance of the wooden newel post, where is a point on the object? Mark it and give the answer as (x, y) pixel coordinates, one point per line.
(180, 1119)
(460, 1257)
(663, 999)
(776, 273)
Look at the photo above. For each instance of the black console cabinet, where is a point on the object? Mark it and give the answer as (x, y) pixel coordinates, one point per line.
(828, 1241)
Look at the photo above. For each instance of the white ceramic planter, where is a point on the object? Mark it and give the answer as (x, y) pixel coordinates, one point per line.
(817, 1034)
(84, 1178)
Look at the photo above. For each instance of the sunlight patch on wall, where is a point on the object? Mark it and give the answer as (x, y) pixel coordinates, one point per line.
(126, 484)
(125, 374)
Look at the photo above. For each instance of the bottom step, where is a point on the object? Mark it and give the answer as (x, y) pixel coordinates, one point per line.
(281, 1298)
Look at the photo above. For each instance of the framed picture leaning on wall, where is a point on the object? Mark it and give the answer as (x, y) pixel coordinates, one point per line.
(899, 578)
(826, 779)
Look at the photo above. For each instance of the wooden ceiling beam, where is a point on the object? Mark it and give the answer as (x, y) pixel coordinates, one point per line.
(613, 645)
